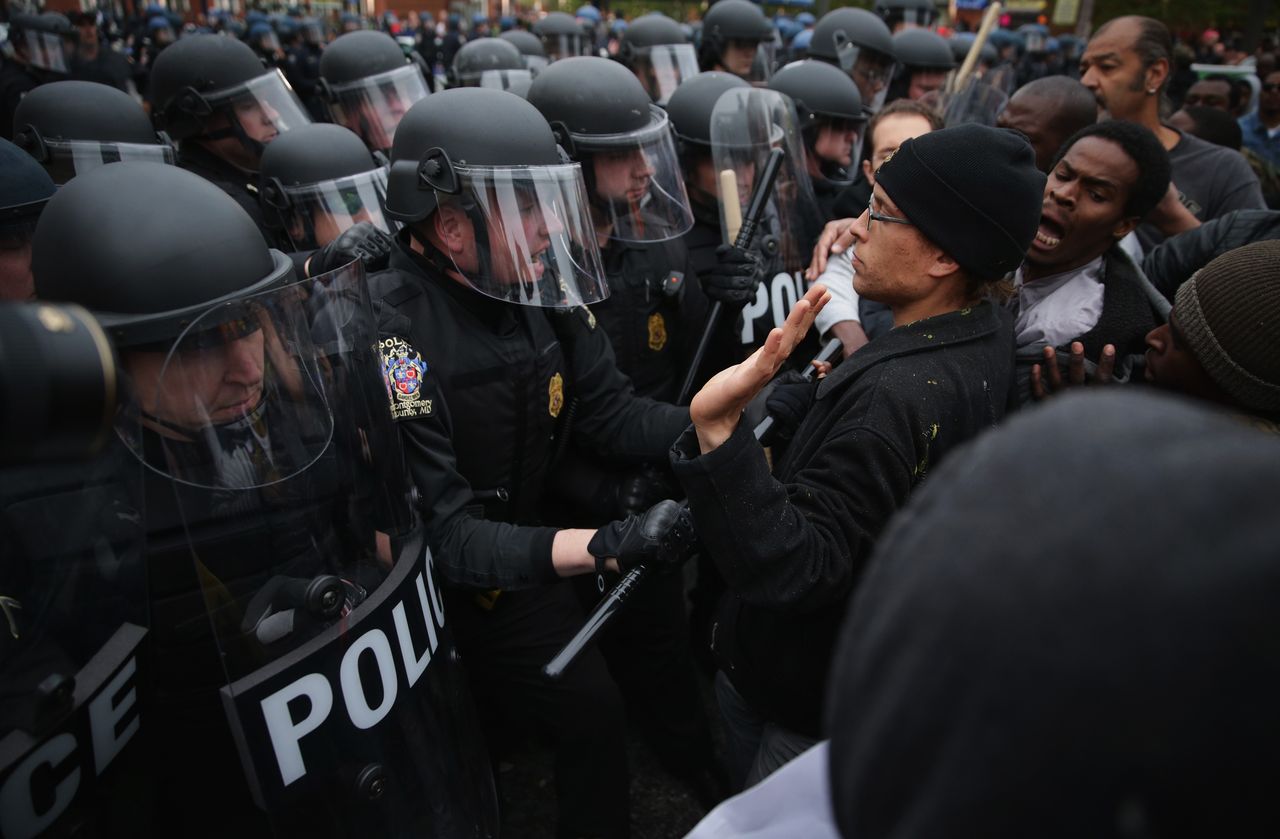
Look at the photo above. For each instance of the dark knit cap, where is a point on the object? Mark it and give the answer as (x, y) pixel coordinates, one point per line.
(973, 191)
(1013, 666)
(1229, 313)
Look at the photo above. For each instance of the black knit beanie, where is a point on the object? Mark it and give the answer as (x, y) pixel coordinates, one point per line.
(1229, 313)
(973, 191)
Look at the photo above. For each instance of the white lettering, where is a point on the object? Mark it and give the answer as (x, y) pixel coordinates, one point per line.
(753, 310)
(285, 733)
(18, 816)
(783, 286)
(362, 716)
(414, 666)
(436, 603)
(105, 716)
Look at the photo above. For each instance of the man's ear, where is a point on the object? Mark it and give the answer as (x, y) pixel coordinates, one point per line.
(868, 172)
(1157, 73)
(1125, 227)
(943, 265)
(447, 229)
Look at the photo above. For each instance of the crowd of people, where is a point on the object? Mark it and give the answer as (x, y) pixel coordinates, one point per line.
(429, 333)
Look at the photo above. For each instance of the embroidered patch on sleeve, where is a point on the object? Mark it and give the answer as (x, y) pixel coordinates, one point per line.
(404, 372)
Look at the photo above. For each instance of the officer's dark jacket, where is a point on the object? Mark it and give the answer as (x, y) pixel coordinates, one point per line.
(793, 545)
(16, 80)
(483, 437)
(239, 184)
(1174, 261)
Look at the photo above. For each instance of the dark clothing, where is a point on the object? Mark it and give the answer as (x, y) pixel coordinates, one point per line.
(109, 68)
(234, 181)
(828, 193)
(703, 238)
(1127, 316)
(15, 81)
(793, 545)
(1175, 260)
(853, 199)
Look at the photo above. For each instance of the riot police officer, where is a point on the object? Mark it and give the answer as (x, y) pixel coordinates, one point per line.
(490, 62)
(655, 48)
(72, 127)
(491, 356)
(859, 43)
(832, 120)
(737, 38)
(24, 188)
(924, 59)
(530, 46)
(302, 65)
(211, 94)
(369, 85)
(562, 36)
(35, 56)
(906, 14)
(284, 547)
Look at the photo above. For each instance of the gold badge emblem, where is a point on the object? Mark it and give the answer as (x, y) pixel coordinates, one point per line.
(555, 393)
(657, 332)
(404, 372)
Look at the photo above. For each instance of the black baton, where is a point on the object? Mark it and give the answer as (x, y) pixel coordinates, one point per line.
(760, 194)
(617, 596)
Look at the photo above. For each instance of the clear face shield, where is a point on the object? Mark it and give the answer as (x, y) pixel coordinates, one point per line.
(521, 234)
(315, 214)
(372, 107)
(535, 63)
(516, 81)
(662, 68)
(567, 45)
(636, 182)
(836, 144)
(44, 50)
(747, 124)
(870, 70)
(66, 159)
(915, 17)
(268, 43)
(1035, 41)
(977, 102)
(269, 417)
(255, 112)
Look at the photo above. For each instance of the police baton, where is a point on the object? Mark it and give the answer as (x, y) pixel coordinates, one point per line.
(621, 592)
(755, 210)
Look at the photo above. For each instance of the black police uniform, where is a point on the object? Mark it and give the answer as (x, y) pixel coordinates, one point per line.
(481, 436)
(234, 181)
(15, 81)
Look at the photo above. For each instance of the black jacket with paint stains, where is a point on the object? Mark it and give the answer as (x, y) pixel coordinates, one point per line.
(793, 545)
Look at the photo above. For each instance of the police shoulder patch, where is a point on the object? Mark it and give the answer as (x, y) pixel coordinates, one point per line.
(404, 373)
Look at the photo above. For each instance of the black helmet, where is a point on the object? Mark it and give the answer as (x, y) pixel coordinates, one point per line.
(727, 21)
(691, 106)
(369, 85)
(825, 97)
(562, 36)
(41, 37)
(960, 51)
(859, 43)
(73, 126)
(24, 188)
(655, 48)
(923, 50)
(318, 181)
(602, 115)
(489, 62)
(148, 295)
(470, 162)
(530, 46)
(199, 84)
(910, 12)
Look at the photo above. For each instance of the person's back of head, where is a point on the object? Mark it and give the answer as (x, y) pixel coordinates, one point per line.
(1212, 125)
(1048, 111)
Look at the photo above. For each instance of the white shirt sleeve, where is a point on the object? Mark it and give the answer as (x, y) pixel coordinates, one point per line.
(838, 278)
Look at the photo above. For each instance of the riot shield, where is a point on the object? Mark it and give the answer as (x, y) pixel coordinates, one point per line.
(746, 125)
(975, 101)
(73, 643)
(341, 688)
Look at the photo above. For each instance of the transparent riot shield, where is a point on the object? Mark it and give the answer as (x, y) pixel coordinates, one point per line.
(975, 101)
(340, 685)
(73, 642)
(746, 125)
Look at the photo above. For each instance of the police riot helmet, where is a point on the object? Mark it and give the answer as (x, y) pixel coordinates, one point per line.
(212, 86)
(490, 62)
(24, 188)
(41, 37)
(602, 115)
(920, 49)
(896, 13)
(74, 126)
(368, 84)
(506, 210)
(739, 22)
(319, 181)
(655, 48)
(530, 46)
(691, 106)
(145, 296)
(825, 99)
(562, 36)
(962, 42)
(859, 43)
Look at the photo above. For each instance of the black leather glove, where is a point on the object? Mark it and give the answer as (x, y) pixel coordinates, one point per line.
(637, 491)
(789, 402)
(362, 241)
(662, 538)
(735, 277)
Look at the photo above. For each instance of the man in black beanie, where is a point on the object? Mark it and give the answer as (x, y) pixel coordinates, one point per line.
(952, 213)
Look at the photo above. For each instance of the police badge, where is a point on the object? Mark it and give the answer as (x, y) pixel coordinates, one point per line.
(555, 395)
(403, 371)
(657, 332)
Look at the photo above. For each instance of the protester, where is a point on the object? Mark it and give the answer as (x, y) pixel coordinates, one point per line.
(1262, 127)
(1048, 111)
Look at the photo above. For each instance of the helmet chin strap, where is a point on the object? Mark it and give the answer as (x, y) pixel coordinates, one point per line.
(237, 131)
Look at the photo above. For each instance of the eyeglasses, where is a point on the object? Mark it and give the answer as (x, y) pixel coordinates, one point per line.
(872, 215)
